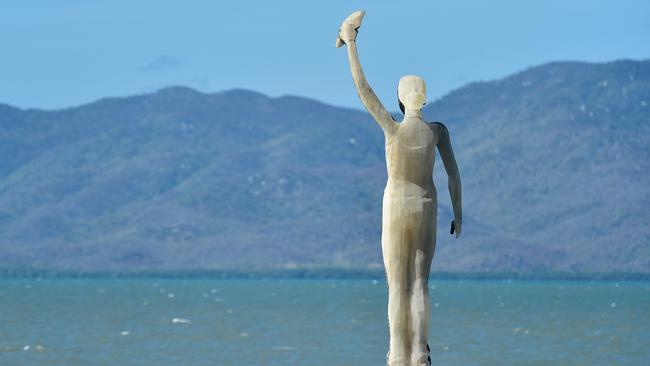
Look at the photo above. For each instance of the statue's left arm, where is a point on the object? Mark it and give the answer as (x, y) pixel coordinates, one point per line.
(449, 161)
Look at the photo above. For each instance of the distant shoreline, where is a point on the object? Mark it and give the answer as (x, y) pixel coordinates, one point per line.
(319, 273)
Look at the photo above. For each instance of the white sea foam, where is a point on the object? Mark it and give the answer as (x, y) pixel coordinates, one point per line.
(283, 348)
(181, 321)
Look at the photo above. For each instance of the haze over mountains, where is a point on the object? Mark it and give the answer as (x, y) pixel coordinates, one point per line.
(554, 161)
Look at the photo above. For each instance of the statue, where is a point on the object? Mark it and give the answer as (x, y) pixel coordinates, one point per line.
(409, 212)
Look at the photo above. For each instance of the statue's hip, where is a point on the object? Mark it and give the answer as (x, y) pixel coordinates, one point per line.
(397, 189)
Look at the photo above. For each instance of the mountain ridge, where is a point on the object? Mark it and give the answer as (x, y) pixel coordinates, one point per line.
(360, 108)
(180, 179)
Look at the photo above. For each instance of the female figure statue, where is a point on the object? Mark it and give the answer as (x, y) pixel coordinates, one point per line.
(409, 211)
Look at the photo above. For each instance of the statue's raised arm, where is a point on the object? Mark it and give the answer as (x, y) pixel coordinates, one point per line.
(347, 35)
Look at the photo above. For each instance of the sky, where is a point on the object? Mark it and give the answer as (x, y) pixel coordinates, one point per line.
(57, 54)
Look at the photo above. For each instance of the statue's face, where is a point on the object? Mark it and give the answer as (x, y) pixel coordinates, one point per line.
(412, 92)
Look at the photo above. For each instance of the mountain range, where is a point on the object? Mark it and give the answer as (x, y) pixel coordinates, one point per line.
(554, 163)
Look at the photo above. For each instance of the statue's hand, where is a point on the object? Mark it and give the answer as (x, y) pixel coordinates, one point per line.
(456, 227)
(349, 28)
(347, 34)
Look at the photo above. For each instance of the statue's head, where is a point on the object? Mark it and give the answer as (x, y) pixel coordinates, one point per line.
(411, 92)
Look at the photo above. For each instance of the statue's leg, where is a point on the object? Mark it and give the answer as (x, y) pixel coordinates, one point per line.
(399, 317)
(423, 254)
(395, 252)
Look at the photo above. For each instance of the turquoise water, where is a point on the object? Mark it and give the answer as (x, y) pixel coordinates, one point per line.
(193, 322)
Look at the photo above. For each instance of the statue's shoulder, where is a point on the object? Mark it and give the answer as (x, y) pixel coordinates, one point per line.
(438, 127)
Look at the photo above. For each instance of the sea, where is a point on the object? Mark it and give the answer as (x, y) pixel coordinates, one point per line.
(248, 322)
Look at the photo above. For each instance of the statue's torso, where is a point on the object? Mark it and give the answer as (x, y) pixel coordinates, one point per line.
(410, 156)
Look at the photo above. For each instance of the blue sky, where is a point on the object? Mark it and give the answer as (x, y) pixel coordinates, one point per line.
(65, 53)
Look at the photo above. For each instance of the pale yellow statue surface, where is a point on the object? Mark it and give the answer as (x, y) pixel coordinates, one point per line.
(409, 211)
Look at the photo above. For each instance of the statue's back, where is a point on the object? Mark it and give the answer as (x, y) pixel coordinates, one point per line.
(410, 157)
